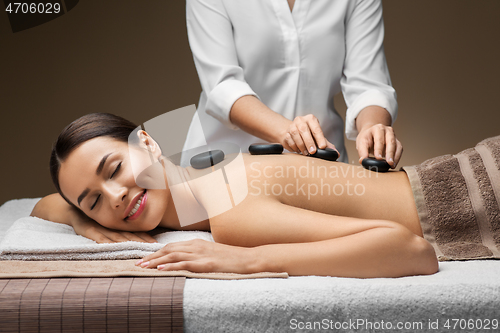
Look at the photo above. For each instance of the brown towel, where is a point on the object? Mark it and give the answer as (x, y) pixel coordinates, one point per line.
(458, 202)
(106, 268)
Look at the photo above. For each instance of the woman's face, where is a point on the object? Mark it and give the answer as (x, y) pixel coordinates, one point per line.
(98, 178)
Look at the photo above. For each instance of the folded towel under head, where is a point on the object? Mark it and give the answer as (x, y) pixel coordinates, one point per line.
(35, 248)
(458, 201)
(31, 238)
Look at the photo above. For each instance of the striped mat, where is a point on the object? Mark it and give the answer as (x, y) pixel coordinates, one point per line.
(120, 304)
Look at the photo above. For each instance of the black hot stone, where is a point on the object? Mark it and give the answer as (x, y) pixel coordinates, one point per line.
(328, 154)
(265, 149)
(373, 164)
(207, 159)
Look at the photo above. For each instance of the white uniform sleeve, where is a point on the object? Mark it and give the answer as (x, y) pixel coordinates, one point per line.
(365, 80)
(211, 41)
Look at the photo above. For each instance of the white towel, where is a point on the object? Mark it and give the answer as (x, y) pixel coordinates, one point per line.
(31, 238)
(13, 210)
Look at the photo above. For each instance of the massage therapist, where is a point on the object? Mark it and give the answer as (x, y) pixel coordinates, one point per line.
(269, 70)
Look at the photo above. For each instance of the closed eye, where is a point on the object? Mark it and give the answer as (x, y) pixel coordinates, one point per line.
(116, 170)
(112, 175)
(95, 203)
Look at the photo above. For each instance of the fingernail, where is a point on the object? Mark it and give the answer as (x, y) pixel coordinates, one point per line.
(311, 149)
(304, 153)
(391, 160)
(379, 155)
(160, 267)
(145, 264)
(138, 262)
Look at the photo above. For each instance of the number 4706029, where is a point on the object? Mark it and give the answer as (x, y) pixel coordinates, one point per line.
(33, 8)
(471, 324)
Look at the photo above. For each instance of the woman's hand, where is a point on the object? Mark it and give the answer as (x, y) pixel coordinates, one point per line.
(379, 140)
(86, 227)
(201, 256)
(304, 135)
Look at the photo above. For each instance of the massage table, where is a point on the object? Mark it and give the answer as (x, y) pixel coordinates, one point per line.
(461, 297)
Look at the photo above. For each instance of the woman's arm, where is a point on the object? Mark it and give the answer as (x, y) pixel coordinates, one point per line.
(54, 208)
(281, 238)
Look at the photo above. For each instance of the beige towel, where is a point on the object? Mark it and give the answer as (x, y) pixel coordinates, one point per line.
(458, 202)
(106, 268)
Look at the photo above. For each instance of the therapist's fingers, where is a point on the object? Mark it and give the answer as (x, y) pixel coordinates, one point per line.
(305, 133)
(332, 146)
(297, 138)
(399, 152)
(390, 146)
(394, 148)
(316, 131)
(364, 143)
(378, 141)
(382, 142)
(289, 144)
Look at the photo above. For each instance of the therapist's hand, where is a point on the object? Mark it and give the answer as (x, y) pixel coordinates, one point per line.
(304, 135)
(379, 140)
(376, 136)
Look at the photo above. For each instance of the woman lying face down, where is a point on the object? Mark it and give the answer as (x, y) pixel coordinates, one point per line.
(335, 219)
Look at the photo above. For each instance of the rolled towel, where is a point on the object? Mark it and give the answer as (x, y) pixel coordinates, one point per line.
(458, 201)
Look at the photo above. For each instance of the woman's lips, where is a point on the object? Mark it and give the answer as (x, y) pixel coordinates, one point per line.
(141, 207)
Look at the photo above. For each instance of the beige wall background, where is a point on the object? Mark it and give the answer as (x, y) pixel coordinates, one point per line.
(132, 58)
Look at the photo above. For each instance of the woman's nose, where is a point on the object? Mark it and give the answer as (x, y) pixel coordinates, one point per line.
(116, 195)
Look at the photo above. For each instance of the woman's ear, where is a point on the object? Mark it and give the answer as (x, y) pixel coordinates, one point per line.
(147, 142)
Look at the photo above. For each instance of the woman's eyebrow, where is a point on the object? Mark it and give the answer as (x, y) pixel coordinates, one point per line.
(97, 172)
(101, 164)
(83, 195)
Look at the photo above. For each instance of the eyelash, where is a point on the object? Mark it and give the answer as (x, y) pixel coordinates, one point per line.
(95, 203)
(116, 170)
(112, 175)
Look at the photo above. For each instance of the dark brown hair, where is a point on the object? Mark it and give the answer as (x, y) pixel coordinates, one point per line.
(83, 129)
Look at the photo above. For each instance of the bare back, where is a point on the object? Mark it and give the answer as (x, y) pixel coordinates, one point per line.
(333, 188)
